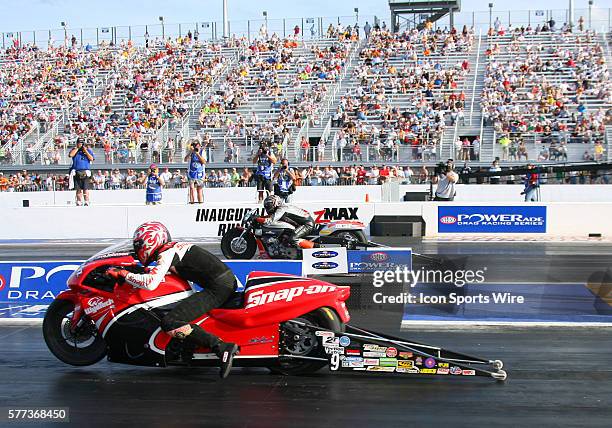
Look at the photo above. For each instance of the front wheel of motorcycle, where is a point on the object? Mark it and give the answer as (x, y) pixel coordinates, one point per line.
(81, 347)
(302, 348)
(238, 245)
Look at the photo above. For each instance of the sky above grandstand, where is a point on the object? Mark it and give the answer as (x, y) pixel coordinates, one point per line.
(44, 14)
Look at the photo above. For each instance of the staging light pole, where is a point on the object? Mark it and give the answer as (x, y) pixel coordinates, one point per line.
(225, 20)
(571, 14)
(161, 19)
(490, 16)
(590, 12)
(356, 15)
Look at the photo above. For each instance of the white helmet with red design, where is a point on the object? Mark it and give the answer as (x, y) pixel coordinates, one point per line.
(149, 238)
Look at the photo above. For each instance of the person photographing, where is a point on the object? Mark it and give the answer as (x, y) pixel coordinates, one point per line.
(532, 185)
(284, 181)
(154, 186)
(196, 160)
(265, 160)
(446, 184)
(82, 156)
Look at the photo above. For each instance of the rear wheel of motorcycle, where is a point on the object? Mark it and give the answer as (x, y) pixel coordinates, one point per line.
(355, 237)
(246, 250)
(309, 345)
(80, 348)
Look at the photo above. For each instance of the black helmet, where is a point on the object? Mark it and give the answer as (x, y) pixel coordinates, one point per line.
(271, 203)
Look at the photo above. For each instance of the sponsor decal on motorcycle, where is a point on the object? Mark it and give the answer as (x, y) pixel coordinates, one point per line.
(418, 361)
(405, 355)
(330, 341)
(345, 341)
(430, 362)
(334, 350)
(380, 369)
(469, 373)
(260, 297)
(351, 351)
(454, 370)
(96, 304)
(374, 354)
(391, 352)
(442, 371)
(428, 371)
(324, 254)
(444, 365)
(388, 362)
(325, 265)
(261, 339)
(370, 361)
(405, 364)
(412, 370)
(352, 362)
(371, 347)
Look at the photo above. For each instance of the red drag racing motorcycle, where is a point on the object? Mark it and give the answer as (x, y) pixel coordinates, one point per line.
(97, 317)
(291, 325)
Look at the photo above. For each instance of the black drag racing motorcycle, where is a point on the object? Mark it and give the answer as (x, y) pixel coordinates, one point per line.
(251, 237)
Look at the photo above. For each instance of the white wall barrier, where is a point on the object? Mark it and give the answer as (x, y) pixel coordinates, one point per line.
(465, 193)
(212, 219)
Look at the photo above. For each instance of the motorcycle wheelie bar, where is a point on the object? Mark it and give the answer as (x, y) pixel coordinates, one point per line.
(361, 350)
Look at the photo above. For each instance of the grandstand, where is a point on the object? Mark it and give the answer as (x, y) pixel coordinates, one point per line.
(407, 98)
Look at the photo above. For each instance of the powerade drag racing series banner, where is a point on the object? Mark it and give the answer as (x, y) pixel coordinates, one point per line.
(489, 219)
(27, 288)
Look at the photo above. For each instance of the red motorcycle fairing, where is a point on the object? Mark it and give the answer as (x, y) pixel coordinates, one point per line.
(128, 318)
(270, 299)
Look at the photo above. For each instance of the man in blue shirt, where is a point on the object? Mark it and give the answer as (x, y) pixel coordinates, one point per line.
(265, 160)
(82, 156)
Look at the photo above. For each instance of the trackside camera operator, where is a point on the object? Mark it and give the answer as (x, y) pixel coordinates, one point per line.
(446, 178)
(265, 160)
(532, 185)
(80, 171)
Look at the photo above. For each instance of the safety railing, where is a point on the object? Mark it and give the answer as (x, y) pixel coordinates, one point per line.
(475, 77)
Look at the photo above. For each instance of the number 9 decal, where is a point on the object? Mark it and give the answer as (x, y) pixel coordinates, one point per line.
(334, 362)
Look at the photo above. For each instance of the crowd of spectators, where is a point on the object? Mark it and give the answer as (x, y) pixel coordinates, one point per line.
(406, 93)
(291, 80)
(552, 89)
(313, 175)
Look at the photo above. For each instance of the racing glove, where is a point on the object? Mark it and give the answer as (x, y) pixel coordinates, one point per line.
(117, 274)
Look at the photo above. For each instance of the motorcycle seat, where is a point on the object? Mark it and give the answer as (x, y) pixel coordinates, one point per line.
(235, 301)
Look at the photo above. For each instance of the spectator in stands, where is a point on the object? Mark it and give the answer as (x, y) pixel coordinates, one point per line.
(196, 172)
(82, 156)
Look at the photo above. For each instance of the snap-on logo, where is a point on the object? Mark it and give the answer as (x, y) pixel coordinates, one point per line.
(325, 265)
(324, 254)
(448, 219)
(260, 297)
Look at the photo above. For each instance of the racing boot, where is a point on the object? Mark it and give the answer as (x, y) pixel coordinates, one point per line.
(226, 351)
(305, 243)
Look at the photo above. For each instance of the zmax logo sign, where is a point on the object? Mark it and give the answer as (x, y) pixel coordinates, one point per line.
(495, 219)
(334, 214)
